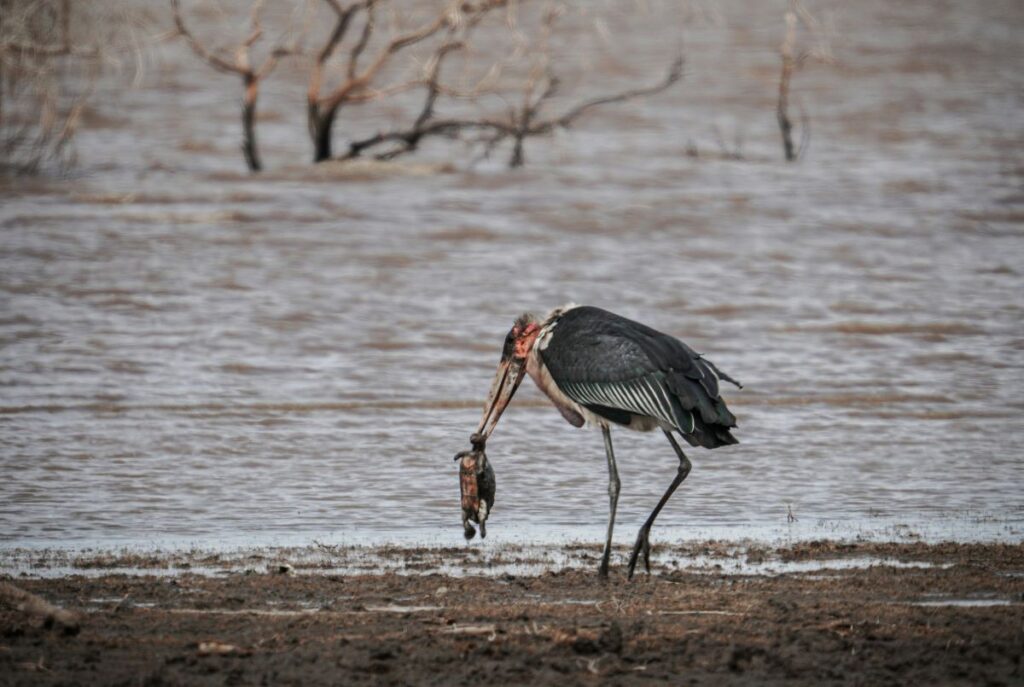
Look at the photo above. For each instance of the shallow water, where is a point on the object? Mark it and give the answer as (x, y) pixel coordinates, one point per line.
(192, 355)
(742, 558)
(964, 603)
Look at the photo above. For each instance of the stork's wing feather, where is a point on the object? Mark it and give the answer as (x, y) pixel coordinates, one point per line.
(608, 363)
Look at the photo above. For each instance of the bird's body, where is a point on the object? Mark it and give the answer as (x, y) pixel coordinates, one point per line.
(598, 368)
(604, 370)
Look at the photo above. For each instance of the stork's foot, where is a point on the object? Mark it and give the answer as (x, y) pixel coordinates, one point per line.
(643, 545)
(602, 570)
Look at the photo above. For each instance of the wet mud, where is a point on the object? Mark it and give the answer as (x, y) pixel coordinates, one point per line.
(908, 613)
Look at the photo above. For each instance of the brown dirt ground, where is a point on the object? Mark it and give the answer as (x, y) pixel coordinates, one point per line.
(832, 625)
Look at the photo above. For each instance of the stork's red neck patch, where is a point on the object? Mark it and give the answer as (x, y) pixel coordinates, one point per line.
(525, 337)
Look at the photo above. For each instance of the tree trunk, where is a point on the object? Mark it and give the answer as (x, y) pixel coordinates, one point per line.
(249, 149)
(518, 158)
(320, 124)
(782, 112)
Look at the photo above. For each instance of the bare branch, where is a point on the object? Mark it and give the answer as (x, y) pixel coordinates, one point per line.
(446, 127)
(434, 80)
(675, 73)
(521, 121)
(340, 28)
(370, 95)
(415, 37)
(198, 48)
(460, 25)
(255, 20)
(412, 138)
(360, 46)
(344, 19)
(394, 46)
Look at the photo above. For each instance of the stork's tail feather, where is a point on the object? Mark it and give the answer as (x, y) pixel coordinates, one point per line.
(709, 418)
(719, 373)
(709, 435)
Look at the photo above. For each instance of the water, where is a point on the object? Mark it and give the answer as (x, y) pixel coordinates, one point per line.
(191, 355)
(495, 561)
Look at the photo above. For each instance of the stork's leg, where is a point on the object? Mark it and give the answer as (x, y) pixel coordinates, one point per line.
(613, 499)
(642, 541)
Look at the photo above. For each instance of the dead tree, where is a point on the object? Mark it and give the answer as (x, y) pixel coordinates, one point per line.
(358, 85)
(527, 123)
(456, 38)
(793, 59)
(788, 64)
(241, 64)
(50, 57)
(408, 140)
(538, 87)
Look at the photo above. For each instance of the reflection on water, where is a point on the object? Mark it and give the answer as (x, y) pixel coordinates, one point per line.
(192, 354)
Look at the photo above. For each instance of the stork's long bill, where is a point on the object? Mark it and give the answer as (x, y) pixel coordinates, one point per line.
(506, 380)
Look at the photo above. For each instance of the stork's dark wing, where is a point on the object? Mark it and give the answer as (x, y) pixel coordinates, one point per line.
(616, 367)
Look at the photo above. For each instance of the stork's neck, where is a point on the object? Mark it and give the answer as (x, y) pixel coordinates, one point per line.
(534, 362)
(533, 365)
(540, 375)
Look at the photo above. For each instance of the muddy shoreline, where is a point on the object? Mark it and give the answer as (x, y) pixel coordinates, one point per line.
(711, 612)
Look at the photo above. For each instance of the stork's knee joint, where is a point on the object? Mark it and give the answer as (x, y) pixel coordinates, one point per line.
(684, 467)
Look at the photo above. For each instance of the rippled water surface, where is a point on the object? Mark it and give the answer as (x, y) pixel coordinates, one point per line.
(193, 355)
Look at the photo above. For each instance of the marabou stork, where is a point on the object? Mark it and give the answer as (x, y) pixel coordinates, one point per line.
(601, 369)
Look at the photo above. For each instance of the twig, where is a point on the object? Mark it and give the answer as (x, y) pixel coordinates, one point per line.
(360, 46)
(198, 48)
(675, 73)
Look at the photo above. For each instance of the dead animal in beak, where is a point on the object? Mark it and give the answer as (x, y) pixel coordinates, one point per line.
(477, 484)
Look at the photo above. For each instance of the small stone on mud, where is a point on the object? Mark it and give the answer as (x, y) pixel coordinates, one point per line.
(219, 649)
(382, 654)
(585, 645)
